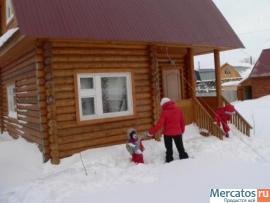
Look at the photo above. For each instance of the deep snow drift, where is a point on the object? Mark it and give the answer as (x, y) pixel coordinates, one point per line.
(237, 162)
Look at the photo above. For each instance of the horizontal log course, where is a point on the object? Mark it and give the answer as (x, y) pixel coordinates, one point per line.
(144, 89)
(66, 102)
(143, 102)
(66, 117)
(30, 113)
(65, 110)
(101, 59)
(93, 45)
(21, 68)
(32, 107)
(99, 51)
(73, 128)
(98, 134)
(26, 88)
(62, 88)
(25, 57)
(26, 82)
(142, 83)
(19, 76)
(67, 153)
(30, 137)
(25, 65)
(63, 81)
(27, 118)
(34, 126)
(27, 100)
(87, 143)
(64, 95)
(142, 76)
(144, 108)
(13, 132)
(143, 96)
(93, 65)
(29, 94)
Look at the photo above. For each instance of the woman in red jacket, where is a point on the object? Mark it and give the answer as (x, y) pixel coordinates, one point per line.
(173, 125)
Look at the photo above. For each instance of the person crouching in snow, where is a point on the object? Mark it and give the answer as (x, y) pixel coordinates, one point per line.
(135, 146)
(223, 115)
(172, 122)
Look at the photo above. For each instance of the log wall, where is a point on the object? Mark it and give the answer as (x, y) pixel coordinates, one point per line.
(62, 60)
(23, 71)
(260, 87)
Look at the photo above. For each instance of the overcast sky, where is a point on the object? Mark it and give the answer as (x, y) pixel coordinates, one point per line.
(250, 19)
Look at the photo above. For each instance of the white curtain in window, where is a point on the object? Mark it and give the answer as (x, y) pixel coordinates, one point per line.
(114, 94)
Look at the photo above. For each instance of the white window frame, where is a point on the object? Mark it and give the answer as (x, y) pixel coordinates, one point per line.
(9, 11)
(96, 92)
(11, 99)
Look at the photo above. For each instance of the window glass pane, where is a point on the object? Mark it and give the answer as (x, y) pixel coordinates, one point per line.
(12, 106)
(88, 106)
(87, 83)
(114, 94)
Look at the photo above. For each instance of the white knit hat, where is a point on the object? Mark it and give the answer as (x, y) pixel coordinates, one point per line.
(164, 100)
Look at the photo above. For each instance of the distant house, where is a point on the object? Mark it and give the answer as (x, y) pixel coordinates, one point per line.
(229, 73)
(257, 84)
(76, 74)
(231, 76)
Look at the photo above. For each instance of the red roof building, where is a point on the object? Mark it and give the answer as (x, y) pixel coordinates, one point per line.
(257, 84)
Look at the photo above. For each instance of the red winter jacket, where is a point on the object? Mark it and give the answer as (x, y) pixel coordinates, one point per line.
(171, 120)
(223, 115)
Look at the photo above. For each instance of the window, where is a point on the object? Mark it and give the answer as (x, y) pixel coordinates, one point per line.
(9, 11)
(227, 71)
(104, 95)
(11, 99)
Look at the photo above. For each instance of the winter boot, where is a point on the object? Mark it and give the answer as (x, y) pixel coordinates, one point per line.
(227, 135)
(184, 156)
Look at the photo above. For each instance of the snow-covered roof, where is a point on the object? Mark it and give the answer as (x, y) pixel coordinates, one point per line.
(7, 35)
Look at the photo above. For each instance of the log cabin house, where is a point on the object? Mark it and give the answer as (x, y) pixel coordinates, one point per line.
(257, 84)
(229, 73)
(77, 74)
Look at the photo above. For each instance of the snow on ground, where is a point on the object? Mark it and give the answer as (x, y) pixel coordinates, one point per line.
(19, 162)
(237, 162)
